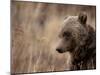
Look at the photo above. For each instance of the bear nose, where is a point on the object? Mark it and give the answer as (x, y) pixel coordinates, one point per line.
(59, 50)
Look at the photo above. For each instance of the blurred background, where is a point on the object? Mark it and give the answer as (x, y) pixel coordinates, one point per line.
(34, 34)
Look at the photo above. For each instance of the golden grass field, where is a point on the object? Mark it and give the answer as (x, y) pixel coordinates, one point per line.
(34, 35)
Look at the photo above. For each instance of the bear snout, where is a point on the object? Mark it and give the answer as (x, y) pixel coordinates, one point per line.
(59, 50)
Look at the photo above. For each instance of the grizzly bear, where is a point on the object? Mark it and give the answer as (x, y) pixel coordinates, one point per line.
(79, 39)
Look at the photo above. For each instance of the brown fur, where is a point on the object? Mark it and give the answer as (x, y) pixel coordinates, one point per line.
(79, 39)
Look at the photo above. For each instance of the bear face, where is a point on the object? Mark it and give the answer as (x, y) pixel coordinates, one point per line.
(78, 38)
(73, 33)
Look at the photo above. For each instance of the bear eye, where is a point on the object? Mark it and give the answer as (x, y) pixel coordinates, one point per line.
(66, 34)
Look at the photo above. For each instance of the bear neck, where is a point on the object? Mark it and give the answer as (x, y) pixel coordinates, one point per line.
(87, 50)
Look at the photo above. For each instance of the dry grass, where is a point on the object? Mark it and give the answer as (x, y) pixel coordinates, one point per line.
(34, 30)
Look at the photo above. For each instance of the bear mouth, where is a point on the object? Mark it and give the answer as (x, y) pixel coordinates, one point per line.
(64, 51)
(60, 51)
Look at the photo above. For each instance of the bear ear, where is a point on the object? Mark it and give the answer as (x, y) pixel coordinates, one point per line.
(82, 18)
